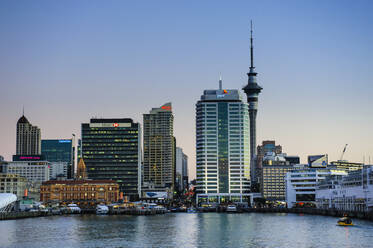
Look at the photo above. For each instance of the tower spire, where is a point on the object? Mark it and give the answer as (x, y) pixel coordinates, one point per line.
(220, 83)
(251, 45)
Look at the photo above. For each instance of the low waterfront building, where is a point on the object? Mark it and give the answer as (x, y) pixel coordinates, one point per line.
(353, 192)
(10, 183)
(85, 193)
(301, 184)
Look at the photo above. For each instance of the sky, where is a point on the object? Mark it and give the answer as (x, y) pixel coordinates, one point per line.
(69, 61)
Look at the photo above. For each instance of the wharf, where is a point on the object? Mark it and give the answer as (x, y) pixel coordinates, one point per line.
(22, 215)
(314, 211)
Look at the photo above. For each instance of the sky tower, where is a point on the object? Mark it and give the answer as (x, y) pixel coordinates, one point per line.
(252, 90)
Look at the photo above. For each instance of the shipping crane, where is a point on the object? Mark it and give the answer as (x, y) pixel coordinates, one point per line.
(343, 153)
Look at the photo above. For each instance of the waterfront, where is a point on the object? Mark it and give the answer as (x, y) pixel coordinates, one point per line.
(185, 230)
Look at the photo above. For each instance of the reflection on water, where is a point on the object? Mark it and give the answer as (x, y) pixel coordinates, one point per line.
(185, 230)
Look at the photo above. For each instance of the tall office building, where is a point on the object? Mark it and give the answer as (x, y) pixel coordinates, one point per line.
(159, 149)
(252, 90)
(111, 149)
(223, 162)
(59, 150)
(28, 138)
(181, 169)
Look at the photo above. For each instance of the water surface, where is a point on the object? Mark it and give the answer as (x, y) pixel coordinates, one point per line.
(185, 230)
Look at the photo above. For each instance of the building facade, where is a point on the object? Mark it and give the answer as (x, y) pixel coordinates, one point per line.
(301, 184)
(348, 166)
(28, 138)
(181, 169)
(222, 145)
(59, 150)
(34, 171)
(111, 149)
(273, 169)
(262, 150)
(353, 192)
(159, 149)
(15, 184)
(85, 193)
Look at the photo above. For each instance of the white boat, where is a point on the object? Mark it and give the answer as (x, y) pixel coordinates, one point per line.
(102, 209)
(191, 210)
(73, 208)
(231, 209)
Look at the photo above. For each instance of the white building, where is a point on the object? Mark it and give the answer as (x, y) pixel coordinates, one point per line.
(33, 171)
(353, 192)
(301, 184)
(223, 147)
(58, 169)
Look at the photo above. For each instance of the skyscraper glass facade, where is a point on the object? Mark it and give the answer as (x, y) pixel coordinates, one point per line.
(59, 150)
(222, 143)
(111, 149)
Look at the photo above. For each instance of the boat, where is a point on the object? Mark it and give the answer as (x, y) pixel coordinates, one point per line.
(231, 209)
(73, 208)
(191, 210)
(102, 209)
(345, 221)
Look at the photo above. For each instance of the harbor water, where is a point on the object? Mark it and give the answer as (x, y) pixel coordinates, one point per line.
(185, 230)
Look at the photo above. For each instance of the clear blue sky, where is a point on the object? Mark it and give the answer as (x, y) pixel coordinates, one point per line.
(67, 61)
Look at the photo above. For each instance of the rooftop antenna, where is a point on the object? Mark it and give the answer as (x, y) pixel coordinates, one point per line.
(23, 110)
(220, 83)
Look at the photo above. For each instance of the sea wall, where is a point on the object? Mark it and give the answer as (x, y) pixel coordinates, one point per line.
(21, 215)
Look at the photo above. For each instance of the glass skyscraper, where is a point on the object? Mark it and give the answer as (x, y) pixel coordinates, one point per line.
(223, 147)
(59, 150)
(111, 149)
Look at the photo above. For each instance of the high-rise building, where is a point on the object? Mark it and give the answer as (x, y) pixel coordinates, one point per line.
(159, 149)
(59, 150)
(222, 143)
(28, 138)
(252, 90)
(111, 149)
(181, 169)
(266, 147)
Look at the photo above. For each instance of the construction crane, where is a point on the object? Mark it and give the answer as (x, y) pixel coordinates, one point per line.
(343, 153)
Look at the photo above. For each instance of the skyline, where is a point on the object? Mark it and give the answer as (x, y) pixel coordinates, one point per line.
(68, 54)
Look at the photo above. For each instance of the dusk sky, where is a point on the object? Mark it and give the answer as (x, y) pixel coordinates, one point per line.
(68, 61)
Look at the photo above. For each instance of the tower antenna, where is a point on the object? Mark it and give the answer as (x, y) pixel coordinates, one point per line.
(251, 45)
(220, 83)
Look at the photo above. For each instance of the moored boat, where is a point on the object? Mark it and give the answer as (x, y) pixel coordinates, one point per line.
(102, 209)
(73, 209)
